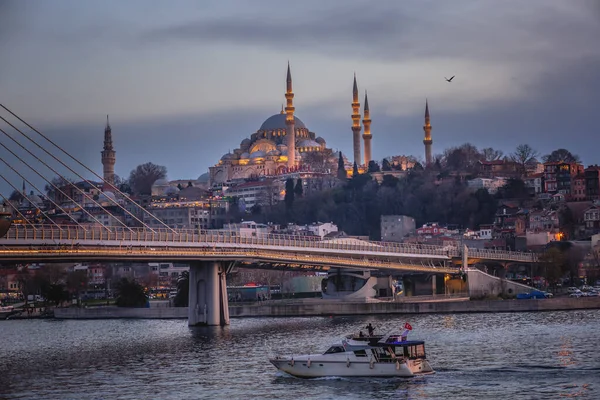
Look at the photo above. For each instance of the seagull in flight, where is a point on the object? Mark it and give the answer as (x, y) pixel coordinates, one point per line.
(449, 80)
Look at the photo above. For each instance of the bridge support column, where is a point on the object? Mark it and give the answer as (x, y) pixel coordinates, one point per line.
(208, 295)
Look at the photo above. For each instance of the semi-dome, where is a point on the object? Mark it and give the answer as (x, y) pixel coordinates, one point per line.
(277, 121)
(281, 147)
(228, 157)
(245, 143)
(244, 156)
(320, 140)
(274, 153)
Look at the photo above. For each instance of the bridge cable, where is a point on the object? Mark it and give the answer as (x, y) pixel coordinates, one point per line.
(50, 182)
(16, 208)
(110, 184)
(28, 199)
(56, 172)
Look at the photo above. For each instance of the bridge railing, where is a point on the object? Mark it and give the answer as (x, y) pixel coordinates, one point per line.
(72, 234)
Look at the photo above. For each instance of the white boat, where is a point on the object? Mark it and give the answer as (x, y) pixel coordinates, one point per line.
(390, 355)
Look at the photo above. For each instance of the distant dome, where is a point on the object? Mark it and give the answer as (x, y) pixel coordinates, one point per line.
(277, 121)
(237, 152)
(257, 154)
(203, 178)
(161, 182)
(244, 155)
(171, 190)
(320, 140)
(108, 196)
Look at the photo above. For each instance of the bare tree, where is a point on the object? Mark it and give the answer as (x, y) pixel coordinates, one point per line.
(561, 155)
(490, 154)
(143, 177)
(523, 155)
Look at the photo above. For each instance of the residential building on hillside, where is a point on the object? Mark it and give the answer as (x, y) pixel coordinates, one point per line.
(592, 182)
(490, 184)
(558, 176)
(591, 218)
(578, 188)
(431, 229)
(535, 183)
(204, 214)
(491, 169)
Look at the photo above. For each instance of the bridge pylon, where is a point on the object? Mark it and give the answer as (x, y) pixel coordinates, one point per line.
(208, 303)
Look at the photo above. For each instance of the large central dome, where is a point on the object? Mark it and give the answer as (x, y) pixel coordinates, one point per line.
(277, 121)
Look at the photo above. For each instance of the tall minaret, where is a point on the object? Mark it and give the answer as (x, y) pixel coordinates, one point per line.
(289, 121)
(356, 128)
(427, 141)
(108, 155)
(367, 134)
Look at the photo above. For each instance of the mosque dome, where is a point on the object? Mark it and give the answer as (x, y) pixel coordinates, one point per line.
(308, 143)
(277, 121)
(107, 196)
(320, 140)
(274, 153)
(237, 152)
(171, 190)
(245, 155)
(245, 144)
(282, 147)
(257, 154)
(228, 157)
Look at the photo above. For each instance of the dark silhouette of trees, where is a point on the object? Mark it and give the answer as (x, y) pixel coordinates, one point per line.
(289, 194)
(462, 158)
(523, 155)
(385, 165)
(182, 297)
(16, 196)
(130, 294)
(490, 154)
(143, 177)
(190, 184)
(299, 189)
(561, 155)
(514, 189)
(354, 169)
(341, 171)
(373, 166)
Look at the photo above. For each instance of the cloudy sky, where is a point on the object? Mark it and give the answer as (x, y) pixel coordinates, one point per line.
(186, 81)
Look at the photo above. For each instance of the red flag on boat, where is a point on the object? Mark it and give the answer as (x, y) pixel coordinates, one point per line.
(407, 326)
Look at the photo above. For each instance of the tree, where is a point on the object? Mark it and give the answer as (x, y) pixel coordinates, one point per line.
(385, 165)
(55, 293)
(130, 294)
(561, 155)
(289, 194)
(523, 155)
(341, 171)
(179, 186)
(16, 196)
(354, 170)
(299, 189)
(190, 184)
(490, 154)
(182, 297)
(513, 189)
(462, 158)
(553, 264)
(56, 182)
(143, 177)
(373, 166)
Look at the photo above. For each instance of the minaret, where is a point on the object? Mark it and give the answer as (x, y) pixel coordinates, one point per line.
(356, 128)
(108, 156)
(427, 141)
(289, 121)
(367, 134)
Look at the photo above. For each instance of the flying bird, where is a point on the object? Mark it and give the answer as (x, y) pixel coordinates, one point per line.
(449, 80)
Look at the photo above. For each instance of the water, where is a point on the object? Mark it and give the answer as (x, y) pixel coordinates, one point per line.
(542, 355)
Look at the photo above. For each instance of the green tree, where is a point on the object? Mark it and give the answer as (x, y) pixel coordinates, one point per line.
(182, 297)
(130, 294)
(143, 177)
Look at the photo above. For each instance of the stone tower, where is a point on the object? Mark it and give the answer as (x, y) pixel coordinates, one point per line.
(356, 128)
(367, 133)
(289, 121)
(108, 155)
(427, 141)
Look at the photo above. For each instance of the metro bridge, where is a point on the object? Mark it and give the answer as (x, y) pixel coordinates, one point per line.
(212, 254)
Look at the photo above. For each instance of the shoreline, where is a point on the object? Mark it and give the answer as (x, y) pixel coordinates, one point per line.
(338, 308)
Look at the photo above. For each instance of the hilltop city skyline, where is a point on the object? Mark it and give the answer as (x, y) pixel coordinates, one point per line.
(184, 85)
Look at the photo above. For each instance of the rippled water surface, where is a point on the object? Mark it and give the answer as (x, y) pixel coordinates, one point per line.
(477, 356)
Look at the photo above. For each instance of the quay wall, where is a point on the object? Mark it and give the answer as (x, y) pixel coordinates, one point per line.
(330, 308)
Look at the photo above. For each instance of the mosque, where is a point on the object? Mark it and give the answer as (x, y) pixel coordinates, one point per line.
(284, 144)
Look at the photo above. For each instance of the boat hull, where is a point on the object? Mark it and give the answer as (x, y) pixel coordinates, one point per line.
(315, 368)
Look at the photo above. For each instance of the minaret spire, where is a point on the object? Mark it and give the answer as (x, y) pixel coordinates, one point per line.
(427, 141)
(290, 122)
(356, 128)
(367, 133)
(108, 156)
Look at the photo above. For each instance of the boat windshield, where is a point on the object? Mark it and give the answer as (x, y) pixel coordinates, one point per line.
(335, 349)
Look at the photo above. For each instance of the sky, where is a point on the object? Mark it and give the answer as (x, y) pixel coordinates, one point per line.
(184, 82)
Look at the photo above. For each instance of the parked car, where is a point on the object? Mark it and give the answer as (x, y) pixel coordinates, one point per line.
(577, 293)
(572, 289)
